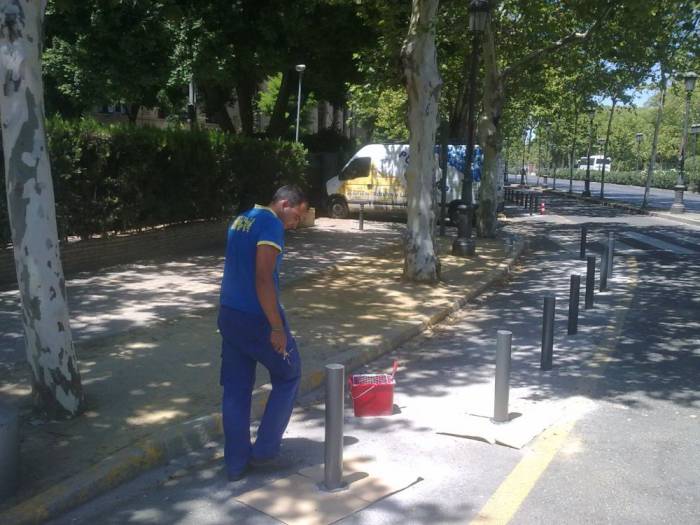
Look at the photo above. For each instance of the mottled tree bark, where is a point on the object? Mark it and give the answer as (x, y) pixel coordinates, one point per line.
(419, 59)
(133, 113)
(279, 120)
(490, 138)
(56, 382)
(655, 141)
(245, 89)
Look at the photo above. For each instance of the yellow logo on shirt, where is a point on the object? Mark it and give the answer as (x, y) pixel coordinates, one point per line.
(242, 224)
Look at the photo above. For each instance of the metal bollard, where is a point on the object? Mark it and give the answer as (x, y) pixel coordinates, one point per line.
(604, 270)
(9, 451)
(547, 333)
(574, 291)
(532, 201)
(362, 216)
(500, 403)
(590, 281)
(464, 245)
(584, 232)
(333, 457)
(611, 253)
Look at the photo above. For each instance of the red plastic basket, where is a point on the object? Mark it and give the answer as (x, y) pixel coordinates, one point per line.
(373, 394)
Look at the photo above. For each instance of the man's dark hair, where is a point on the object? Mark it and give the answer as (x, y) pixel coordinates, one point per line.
(292, 193)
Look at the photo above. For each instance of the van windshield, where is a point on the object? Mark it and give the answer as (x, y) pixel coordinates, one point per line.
(356, 169)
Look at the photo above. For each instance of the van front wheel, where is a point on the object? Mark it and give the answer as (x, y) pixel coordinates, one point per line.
(338, 208)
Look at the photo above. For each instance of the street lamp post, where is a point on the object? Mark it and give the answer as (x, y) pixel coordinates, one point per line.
(678, 206)
(639, 137)
(300, 69)
(601, 143)
(539, 155)
(478, 15)
(192, 104)
(463, 244)
(587, 189)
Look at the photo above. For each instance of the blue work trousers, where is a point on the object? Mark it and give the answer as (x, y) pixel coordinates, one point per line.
(246, 342)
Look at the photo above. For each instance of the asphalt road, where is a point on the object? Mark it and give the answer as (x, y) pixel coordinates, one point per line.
(658, 198)
(630, 458)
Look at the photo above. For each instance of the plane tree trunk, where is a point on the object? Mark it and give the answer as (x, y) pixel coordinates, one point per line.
(419, 60)
(57, 388)
(490, 138)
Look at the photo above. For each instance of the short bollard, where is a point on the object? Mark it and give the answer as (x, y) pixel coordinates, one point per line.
(362, 216)
(574, 291)
(590, 281)
(500, 403)
(333, 458)
(464, 245)
(532, 204)
(9, 451)
(604, 270)
(584, 232)
(611, 253)
(547, 333)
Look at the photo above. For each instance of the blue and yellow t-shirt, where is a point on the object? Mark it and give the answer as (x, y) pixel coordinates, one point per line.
(249, 230)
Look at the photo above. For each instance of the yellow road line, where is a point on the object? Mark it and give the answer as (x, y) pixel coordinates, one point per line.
(505, 502)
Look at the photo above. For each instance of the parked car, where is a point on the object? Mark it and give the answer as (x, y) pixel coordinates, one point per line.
(597, 163)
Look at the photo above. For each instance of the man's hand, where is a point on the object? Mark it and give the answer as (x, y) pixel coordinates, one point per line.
(278, 339)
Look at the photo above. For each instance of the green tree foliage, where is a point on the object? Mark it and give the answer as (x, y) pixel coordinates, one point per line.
(232, 47)
(99, 52)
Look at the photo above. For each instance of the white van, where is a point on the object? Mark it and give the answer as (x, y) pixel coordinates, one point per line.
(376, 177)
(597, 163)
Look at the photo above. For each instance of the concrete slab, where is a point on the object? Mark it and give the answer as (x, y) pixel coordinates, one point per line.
(367, 477)
(528, 419)
(299, 500)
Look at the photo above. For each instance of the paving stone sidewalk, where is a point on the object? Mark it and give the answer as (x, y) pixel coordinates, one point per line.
(152, 390)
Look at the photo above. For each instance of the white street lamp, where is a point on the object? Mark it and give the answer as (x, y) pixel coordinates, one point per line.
(300, 69)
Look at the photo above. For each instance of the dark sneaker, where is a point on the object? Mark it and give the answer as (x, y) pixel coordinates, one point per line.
(238, 476)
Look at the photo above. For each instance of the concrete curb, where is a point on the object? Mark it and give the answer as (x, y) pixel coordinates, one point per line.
(627, 207)
(191, 435)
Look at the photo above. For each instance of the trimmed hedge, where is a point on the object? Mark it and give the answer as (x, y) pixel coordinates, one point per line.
(119, 178)
(661, 179)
